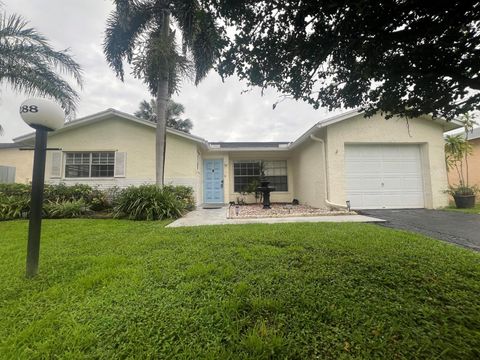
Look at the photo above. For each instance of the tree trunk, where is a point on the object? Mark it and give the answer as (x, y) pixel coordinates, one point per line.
(161, 130)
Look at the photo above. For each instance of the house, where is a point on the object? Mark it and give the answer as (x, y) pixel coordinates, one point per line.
(12, 156)
(473, 161)
(371, 162)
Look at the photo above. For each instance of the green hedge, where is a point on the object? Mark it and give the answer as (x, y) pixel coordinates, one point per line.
(146, 202)
(59, 201)
(150, 202)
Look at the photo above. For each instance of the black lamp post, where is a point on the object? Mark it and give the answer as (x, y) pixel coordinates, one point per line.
(44, 116)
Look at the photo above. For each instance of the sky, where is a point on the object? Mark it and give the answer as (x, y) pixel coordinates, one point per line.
(219, 110)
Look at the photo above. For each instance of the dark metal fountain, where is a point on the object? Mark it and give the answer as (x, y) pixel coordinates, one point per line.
(265, 190)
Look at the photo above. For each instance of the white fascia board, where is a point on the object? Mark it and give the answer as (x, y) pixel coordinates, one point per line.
(216, 149)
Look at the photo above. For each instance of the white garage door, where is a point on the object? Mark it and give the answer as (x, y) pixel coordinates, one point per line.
(384, 176)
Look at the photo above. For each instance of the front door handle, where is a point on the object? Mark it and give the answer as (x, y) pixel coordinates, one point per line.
(221, 183)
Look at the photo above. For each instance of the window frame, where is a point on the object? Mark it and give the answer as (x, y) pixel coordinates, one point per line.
(91, 164)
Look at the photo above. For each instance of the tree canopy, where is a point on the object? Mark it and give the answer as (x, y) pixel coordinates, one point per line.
(146, 110)
(142, 33)
(405, 57)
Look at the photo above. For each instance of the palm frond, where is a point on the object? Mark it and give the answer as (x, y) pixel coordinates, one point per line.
(124, 26)
(206, 45)
(41, 81)
(158, 58)
(185, 13)
(14, 28)
(29, 64)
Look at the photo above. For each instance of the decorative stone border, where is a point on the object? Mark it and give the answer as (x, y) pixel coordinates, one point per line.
(279, 210)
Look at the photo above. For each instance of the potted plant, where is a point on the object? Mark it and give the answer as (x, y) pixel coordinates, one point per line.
(457, 150)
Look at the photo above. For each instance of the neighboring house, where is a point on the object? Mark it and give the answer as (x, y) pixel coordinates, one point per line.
(373, 162)
(12, 156)
(473, 161)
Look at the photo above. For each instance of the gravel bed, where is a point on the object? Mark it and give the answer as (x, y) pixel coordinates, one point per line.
(281, 210)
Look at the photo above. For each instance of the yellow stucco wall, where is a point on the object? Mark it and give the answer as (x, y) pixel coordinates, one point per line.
(111, 135)
(138, 142)
(308, 174)
(21, 160)
(427, 134)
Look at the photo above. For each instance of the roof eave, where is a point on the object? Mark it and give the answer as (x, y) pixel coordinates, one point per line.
(106, 114)
(242, 149)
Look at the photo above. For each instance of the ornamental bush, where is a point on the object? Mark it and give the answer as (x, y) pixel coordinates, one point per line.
(184, 194)
(150, 202)
(14, 206)
(65, 209)
(59, 200)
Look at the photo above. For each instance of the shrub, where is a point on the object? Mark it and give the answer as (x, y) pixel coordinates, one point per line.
(184, 194)
(14, 206)
(15, 189)
(65, 209)
(148, 202)
(58, 199)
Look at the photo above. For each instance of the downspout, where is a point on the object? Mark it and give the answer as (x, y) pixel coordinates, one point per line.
(327, 201)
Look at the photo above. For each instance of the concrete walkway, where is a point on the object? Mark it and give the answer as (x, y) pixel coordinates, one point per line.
(219, 217)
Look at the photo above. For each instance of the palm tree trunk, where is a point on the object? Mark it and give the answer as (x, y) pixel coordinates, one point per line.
(161, 130)
(162, 100)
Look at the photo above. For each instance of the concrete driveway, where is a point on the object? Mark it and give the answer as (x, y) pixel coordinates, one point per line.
(458, 228)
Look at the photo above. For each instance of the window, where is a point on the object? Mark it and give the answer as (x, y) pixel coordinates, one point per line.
(248, 171)
(86, 164)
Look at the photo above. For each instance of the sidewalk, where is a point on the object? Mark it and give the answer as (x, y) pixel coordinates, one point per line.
(219, 217)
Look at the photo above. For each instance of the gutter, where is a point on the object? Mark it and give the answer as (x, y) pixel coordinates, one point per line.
(327, 201)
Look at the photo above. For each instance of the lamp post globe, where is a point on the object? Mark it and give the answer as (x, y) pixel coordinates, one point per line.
(44, 116)
(42, 113)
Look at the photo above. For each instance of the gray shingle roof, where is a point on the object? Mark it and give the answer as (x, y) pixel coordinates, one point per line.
(10, 145)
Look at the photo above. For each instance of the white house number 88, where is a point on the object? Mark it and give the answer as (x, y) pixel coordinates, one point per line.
(28, 108)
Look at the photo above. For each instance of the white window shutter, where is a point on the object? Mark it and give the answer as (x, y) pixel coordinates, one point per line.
(120, 164)
(56, 170)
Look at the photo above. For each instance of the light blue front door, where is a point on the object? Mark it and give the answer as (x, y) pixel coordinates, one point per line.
(213, 181)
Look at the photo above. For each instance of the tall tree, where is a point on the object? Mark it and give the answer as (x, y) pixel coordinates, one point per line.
(146, 110)
(140, 33)
(405, 57)
(28, 64)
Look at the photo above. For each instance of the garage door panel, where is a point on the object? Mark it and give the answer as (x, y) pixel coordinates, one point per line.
(384, 176)
(413, 183)
(399, 151)
(406, 166)
(394, 199)
(363, 167)
(374, 199)
(366, 152)
(368, 183)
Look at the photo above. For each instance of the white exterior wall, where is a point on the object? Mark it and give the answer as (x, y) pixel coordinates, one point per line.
(358, 130)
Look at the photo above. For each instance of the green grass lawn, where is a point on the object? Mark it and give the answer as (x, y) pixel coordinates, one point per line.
(113, 289)
(474, 210)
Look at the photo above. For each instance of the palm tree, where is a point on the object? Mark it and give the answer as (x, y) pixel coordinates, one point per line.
(140, 32)
(146, 110)
(28, 64)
